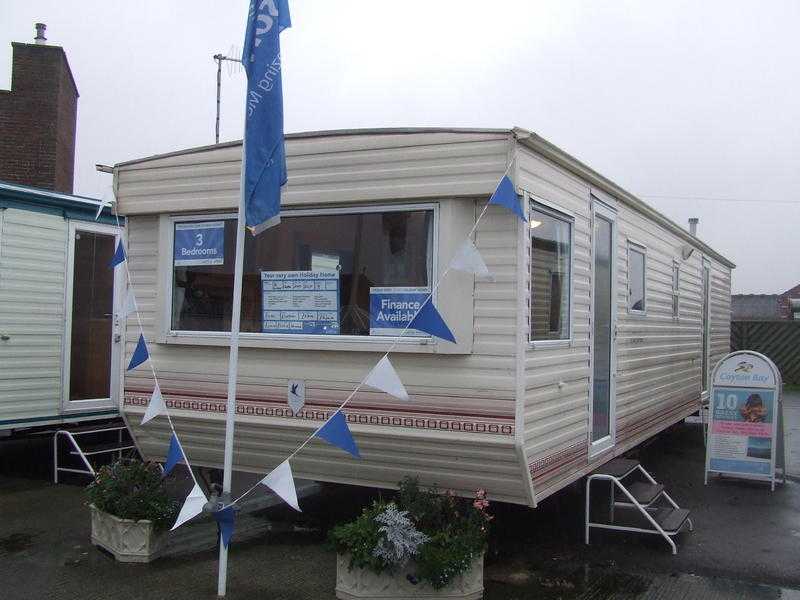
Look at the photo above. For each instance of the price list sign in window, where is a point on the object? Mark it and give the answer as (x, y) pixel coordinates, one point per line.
(300, 302)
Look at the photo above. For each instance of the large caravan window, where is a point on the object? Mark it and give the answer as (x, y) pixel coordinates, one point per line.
(326, 272)
(551, 266)
(636, 278)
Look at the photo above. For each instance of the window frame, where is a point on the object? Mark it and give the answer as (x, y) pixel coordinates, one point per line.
(634, 246)
(289, 340)
(676, 289)
(557, 212)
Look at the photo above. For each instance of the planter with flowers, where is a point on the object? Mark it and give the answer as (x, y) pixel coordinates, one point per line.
(130, 510)
(422, 545)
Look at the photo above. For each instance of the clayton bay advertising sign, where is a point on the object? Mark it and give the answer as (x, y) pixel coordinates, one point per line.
(744, 410)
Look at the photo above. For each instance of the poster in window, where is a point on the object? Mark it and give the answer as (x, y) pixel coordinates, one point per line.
(300, 302)
(199, 243)
(392, 308)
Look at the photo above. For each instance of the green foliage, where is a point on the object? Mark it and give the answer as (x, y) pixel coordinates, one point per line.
(131, 489)
(360, 537)
(457, 528)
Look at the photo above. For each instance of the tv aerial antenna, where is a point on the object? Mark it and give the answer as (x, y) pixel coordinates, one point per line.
(220, 58)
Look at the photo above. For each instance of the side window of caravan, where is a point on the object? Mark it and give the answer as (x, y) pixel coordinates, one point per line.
(637, 261)
(319, 272)
(551, 273)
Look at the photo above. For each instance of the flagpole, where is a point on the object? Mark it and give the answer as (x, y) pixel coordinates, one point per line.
(233, 366)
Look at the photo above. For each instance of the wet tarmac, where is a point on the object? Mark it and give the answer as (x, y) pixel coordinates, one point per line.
(746, 544)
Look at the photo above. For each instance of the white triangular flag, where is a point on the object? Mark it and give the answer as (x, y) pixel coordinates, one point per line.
(281, 481)
(383, 377)
(469, 260)
(108, 199)
(156, 406)
(192, 506)
(130, 304)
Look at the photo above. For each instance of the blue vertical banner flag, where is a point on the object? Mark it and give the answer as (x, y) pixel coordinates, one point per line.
(264, 153)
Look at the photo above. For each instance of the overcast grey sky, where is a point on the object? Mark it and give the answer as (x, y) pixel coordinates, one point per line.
(678, 102)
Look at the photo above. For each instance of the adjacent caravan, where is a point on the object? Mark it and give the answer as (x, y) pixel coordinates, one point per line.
(596, 330)
(60, 327)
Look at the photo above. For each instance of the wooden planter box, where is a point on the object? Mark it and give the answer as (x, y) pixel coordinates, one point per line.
(361, 584)
(127, 540)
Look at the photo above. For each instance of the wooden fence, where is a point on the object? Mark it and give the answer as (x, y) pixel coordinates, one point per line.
(779, 340)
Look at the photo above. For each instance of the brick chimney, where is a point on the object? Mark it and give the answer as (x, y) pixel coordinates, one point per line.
(37, 117)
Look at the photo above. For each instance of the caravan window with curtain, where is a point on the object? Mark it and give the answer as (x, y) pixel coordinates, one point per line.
(551, 273)
(323, 272)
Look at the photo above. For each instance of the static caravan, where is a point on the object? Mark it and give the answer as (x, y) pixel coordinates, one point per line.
(596, 330)
(60, 329)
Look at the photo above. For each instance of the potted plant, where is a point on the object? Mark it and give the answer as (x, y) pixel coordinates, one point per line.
(130, 510)
(421, 545)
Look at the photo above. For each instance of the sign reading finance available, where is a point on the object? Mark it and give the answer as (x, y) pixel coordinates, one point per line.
(199, 243)
(744, 409)
(300, 302)
(392, 308)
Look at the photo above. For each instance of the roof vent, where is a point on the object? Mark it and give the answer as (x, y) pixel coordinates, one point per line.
(693, 225)
(40, 29)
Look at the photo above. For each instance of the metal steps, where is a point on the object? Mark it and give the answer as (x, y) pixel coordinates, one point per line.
(646, 506)
(644, 493)
(88, 441)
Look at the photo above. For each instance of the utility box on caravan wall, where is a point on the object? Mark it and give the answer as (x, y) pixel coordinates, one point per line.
(60, 325)
(595, 331)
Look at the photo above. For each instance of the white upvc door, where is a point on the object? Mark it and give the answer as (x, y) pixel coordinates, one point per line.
(602, 390)
(92, 319)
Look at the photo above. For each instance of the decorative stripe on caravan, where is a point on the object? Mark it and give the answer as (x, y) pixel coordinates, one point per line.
(496, 425)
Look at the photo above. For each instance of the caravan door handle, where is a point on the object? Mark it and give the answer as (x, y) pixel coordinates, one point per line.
(4, 337)
(117, 338)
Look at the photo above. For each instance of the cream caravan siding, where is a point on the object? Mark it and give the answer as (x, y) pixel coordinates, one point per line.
(322, 170)
(460, 423)
(657, 356)
(32, 259)
(557, 377)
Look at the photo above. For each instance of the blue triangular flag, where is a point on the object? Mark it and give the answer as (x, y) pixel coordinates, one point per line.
(505, 195)
(174, 454)
(140, 355)
(336, 432)
(119, 255)
(430, 321)
(224, 519)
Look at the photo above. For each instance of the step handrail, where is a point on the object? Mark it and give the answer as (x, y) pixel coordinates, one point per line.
(78, 451)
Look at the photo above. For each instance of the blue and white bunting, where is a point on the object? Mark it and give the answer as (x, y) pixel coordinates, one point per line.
(430, 321)
(174, 454)
(505, 195)
(130, 307)
(383, 377)
(140, 354)
(469, 260)
(192, 506)
(119, 255)
(281, 481)
(155, 407)
(335, 431)
(263, 146)
(225, 519)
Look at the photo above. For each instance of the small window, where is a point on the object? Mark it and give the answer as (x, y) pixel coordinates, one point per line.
(636, 278)
(551, 273)
(676, 285)
(327, 272)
